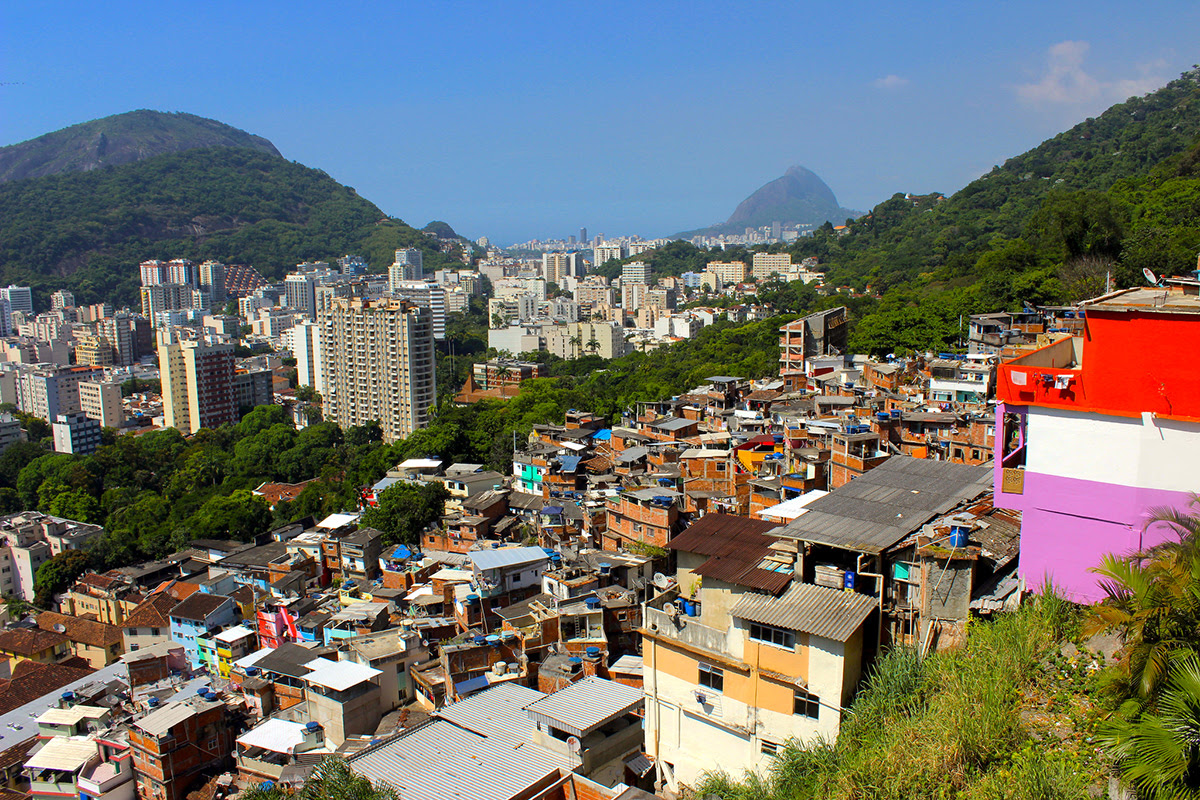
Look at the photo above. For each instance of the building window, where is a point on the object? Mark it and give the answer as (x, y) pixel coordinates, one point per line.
(975, 455)
(154, 631)
(712, 677)
(776, 636)
(807, 705)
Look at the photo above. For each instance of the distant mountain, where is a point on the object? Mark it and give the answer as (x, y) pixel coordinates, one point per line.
(88, 230)
(799, 197)
(120, 139)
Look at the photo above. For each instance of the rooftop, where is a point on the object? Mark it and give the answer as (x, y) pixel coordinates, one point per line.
(735, 546)
(339, 675)
(506, 557)
(879, 508)
(808, 608)
(585, 706)
(66, 753)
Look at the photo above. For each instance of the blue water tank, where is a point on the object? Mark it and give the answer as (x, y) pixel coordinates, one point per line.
(203, 690)
(592, 652)
(480, 639)
(312, 726)
(592, 603)
(958, 536)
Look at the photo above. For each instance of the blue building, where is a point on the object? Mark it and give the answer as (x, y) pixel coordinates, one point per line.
(198, 615)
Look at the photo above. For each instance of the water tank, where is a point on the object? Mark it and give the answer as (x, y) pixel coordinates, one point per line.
(480, 639)
(592, 603)
(252, 671)
(203, 690)
(592, 652)
(153, 702)
(493, 640)
(605, 568)
(312, 726)
(958, 536)
(500, 667)
(575, 663)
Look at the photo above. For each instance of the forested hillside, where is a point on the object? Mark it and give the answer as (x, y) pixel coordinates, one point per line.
(88, 231)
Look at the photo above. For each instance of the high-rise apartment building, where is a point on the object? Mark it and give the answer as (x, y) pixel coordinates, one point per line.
(101, 401)
(728, 272)
(428, 294)
(306, 349)
(765, 265)
(75, 433)
(95, 351)
(153, 272)
(555, 266)
(62, 299)
(352, 265)
(46, 392)
(379, 364)
(301, 294)
(583, 236)
(119, 330)
(408, 266)
(12, 300)
(212, 278)
(197, 385)
(607, 252)
(180, 270)
(166, 297)
(635, 272)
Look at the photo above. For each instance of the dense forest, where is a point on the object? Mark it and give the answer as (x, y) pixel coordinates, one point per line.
(88, 231)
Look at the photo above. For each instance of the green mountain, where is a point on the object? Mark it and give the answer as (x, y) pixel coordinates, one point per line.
(799, 196)
(88, 230)
(1103, 200)
(120, 139)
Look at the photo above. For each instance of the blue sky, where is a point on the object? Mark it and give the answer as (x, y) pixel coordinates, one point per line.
(530, 119)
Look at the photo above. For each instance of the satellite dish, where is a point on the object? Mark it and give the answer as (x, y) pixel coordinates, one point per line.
(670, 610)
(60, 628)
(661, 581)
(574, 744)
(1150, 278)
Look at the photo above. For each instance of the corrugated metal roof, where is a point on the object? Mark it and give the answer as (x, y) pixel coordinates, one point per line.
(735, 547)
(583, 707)
(339, 675)
(159, 722)
(808, 608)
(506, 557)
(67, 753)
(879, 508)
(442, 760)
(498, 712)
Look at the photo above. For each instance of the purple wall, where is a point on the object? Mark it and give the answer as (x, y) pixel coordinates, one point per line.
(1069, 524)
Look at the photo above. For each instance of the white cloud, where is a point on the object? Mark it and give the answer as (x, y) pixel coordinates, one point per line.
(1066, 82)
(890, 82)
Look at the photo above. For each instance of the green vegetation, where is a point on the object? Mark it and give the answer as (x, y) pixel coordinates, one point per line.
(331, 780)
(405, 509)
(964, 723)
(1153, 601)
(88, 231)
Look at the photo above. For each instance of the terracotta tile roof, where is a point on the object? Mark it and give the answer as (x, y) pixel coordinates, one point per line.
(154, 612)
(31, 681)
(199, 606)
(29, 641)
(84, 631)
(98, 581)
(17, 753)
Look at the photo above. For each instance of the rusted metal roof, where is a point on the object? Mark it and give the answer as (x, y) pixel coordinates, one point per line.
(808, 608)
(735, 547)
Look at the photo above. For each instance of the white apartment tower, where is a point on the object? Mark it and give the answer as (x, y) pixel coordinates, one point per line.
(408, 266)
(301, 294)
(212, 278)
(429, 295)
(379, 365)
(306, 349)
(635, 272)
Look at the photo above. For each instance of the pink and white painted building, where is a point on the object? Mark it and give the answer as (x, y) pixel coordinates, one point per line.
(1094, 430)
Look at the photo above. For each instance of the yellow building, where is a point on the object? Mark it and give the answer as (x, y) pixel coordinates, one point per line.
(233, 644)
(31, 644)
(728, 271)
(745, 658)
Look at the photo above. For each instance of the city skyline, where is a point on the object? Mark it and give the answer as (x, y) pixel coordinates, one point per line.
(656, 131)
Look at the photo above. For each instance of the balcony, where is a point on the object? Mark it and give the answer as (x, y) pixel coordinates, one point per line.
(685, 630)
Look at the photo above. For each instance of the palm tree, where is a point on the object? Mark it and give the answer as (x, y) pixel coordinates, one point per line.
(576, 341)
(593, 345)
(1159, 753)
(1153, 598)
